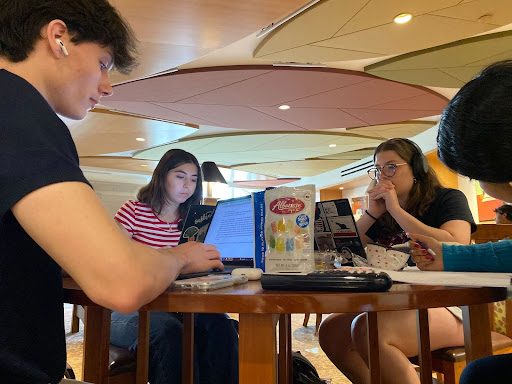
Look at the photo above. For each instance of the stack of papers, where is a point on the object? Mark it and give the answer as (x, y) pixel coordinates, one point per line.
(468, 279)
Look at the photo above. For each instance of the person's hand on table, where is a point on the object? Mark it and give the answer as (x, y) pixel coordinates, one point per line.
(423, 259)
(200, 257)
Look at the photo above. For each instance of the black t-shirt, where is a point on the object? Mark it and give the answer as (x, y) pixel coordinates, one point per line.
(36, 149)
(449, 204)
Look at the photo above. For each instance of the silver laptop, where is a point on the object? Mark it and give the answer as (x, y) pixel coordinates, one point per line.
(232, 231)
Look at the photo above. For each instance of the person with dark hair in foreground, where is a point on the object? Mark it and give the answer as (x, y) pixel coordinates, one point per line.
(154, 219)
(55, 57)
(475, 139)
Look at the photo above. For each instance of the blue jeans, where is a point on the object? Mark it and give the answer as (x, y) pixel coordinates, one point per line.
(490, 369)
(215, 346)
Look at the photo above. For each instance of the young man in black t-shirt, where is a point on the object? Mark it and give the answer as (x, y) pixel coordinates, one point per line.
(55, 56)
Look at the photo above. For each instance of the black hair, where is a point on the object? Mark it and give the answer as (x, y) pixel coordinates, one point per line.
(154, 193)
(94, 21)
(424, 189)
(506, 210)
(475, 131)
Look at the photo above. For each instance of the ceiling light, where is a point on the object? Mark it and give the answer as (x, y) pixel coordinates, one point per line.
(140, 139)
(403, 18)
(341, 188)
(284, 107)
(143, 165)
(332, 145)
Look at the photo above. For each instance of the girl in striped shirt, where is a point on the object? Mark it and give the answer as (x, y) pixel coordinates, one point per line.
(154, 219)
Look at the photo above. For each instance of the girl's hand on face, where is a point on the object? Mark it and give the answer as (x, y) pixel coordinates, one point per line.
(376, 206)
(376, 203)
(385, 191)
(423, 259)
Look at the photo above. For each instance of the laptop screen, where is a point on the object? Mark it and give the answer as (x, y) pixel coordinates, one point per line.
(232, 230)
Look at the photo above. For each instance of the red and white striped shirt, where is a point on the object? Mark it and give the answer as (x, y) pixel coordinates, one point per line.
(145, 226)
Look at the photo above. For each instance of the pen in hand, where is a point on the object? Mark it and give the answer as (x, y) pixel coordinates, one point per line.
(422, 245)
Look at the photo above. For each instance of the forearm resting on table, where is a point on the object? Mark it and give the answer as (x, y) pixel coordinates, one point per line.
(69, 222)
(488, 257)
(454, 230)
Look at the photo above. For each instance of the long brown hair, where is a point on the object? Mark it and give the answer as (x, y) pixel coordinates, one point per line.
(424, 189)
(154, 193)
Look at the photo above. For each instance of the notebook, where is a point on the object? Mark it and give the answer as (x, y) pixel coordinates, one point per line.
(196, 223)
(335, 229)
(232, 230)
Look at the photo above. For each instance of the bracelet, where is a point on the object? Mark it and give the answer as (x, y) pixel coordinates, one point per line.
(369, 214)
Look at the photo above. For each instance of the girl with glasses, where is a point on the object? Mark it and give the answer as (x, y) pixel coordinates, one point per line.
(408, 197)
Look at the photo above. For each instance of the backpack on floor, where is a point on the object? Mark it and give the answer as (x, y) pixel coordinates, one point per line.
(303, 371)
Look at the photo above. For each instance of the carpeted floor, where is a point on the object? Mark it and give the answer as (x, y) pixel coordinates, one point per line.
(304, 341)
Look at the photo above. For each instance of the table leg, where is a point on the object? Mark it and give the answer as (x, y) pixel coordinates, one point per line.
(424, 354)
(477, 331)
(143, 348)
(285, 349)
(96, 345)
(373, 347)
(257, 348)
(187, 376)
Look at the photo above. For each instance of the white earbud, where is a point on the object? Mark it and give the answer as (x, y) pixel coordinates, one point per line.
(64, 50)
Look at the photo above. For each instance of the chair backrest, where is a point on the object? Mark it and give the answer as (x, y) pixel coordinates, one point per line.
(491, 232)
(500, 314)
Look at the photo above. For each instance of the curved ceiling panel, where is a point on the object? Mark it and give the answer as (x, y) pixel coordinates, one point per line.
(246, 151)
(173, 33)
(450, 65)
(405, 129)
(248, 97)
(119, 163)
(118, 132)
(260, 184)
(304, 168)
(341, 30)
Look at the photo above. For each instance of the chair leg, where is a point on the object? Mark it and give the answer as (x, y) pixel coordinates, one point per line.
(452, 371)
(306, 319)
(318, 321)
(75, 321)
(69, 373)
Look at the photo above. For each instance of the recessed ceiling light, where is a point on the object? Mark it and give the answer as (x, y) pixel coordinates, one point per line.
(332, 145)
(403, 18)
(143, 165)
(284, 107)
(341, 188)
(140, 139)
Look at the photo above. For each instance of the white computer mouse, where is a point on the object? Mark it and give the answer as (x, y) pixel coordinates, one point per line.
(251, 273)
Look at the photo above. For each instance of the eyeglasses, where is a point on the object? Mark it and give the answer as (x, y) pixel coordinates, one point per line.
(388, 170)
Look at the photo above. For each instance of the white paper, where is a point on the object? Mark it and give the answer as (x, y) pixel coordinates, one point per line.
(468, 279)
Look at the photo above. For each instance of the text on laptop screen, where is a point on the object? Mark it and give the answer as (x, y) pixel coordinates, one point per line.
(232, 229)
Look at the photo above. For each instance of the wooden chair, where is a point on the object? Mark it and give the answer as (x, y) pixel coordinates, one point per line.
(122, 362)
(491, 232)
(451, 361)
(317, 324)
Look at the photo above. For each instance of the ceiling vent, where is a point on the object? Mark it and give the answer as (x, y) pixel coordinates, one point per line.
(361, 167)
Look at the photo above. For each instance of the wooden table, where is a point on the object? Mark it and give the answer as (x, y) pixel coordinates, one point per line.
(261, 310)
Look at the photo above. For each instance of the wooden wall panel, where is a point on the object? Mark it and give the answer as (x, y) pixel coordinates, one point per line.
(448, 177)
